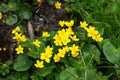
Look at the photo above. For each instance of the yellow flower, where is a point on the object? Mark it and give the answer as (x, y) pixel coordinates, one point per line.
(58, 43)
(39, 64)
(17, 36)
(17, 29)
(56, 58)
(91, 31)
(61, 53)
(57, 5)
(65, 40)
(19, 49)
(61, 32)
(57, 40)
(66, 49)
(45, 34)
(83, 24)
(37, 43)
(61, 23)
(74, 54)
(98, 38)
(48, 49)
(22, 38)
(74, 50)
(0, 15)
(69, 24)
(46, 57)
(39, 1)
(69, 31)
(0, 49)
(4, 48)
(74, 38)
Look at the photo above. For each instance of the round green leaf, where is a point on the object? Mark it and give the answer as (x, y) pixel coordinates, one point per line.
(25, 14)
(111, 53)
(4, 7)
(11, 20)
(22, 63)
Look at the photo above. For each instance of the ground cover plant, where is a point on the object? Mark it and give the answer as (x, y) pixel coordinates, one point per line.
(59, 40)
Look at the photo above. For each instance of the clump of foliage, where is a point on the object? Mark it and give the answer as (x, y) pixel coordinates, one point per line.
(81, 54)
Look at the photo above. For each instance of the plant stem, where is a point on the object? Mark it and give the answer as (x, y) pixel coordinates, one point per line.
(84, 65)
(91, 59)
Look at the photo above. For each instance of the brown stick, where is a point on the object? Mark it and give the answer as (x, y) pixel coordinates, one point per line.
(30, 30)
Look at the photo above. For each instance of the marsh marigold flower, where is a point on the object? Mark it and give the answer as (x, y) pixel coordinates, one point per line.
(69, 24)
(57, 40)
(57, 5)
(61, 23)
(39, 1)
(83, 24)
(19, 37)
(19, 49)
(56, 58)
(4, 48)
(46, 57)
(74, 38)
(0, 15)
(0, 49)
(48, 49)
(98, 38)
(61, 53)
(47, 54)
(37, 43)
(23, 38)
(45, 34)
(74, 50)
(69, 31)
(92, 32)
(39, 64)
(17, 29)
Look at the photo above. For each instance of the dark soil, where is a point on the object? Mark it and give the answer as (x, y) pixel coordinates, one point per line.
(46, 17)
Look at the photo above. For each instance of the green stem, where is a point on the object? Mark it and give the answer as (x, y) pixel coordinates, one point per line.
(71, 74)
(84, 65)
(91, 59)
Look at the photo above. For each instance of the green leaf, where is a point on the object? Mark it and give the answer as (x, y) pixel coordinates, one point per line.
(44, 71)
(10, 20)
(111, 53)
(4, 7)
(13, 6)
(81, 34)
(34, 77)
(92, 49)
(25, 14)
(69, 0)
(99, 27)
(35, 51)
(76, 7)
(22, 63)
(51, 2)
(68, 10)
(69, 73)
(91, 74)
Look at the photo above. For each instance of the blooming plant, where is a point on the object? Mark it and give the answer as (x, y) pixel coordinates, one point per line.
(83, 46)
